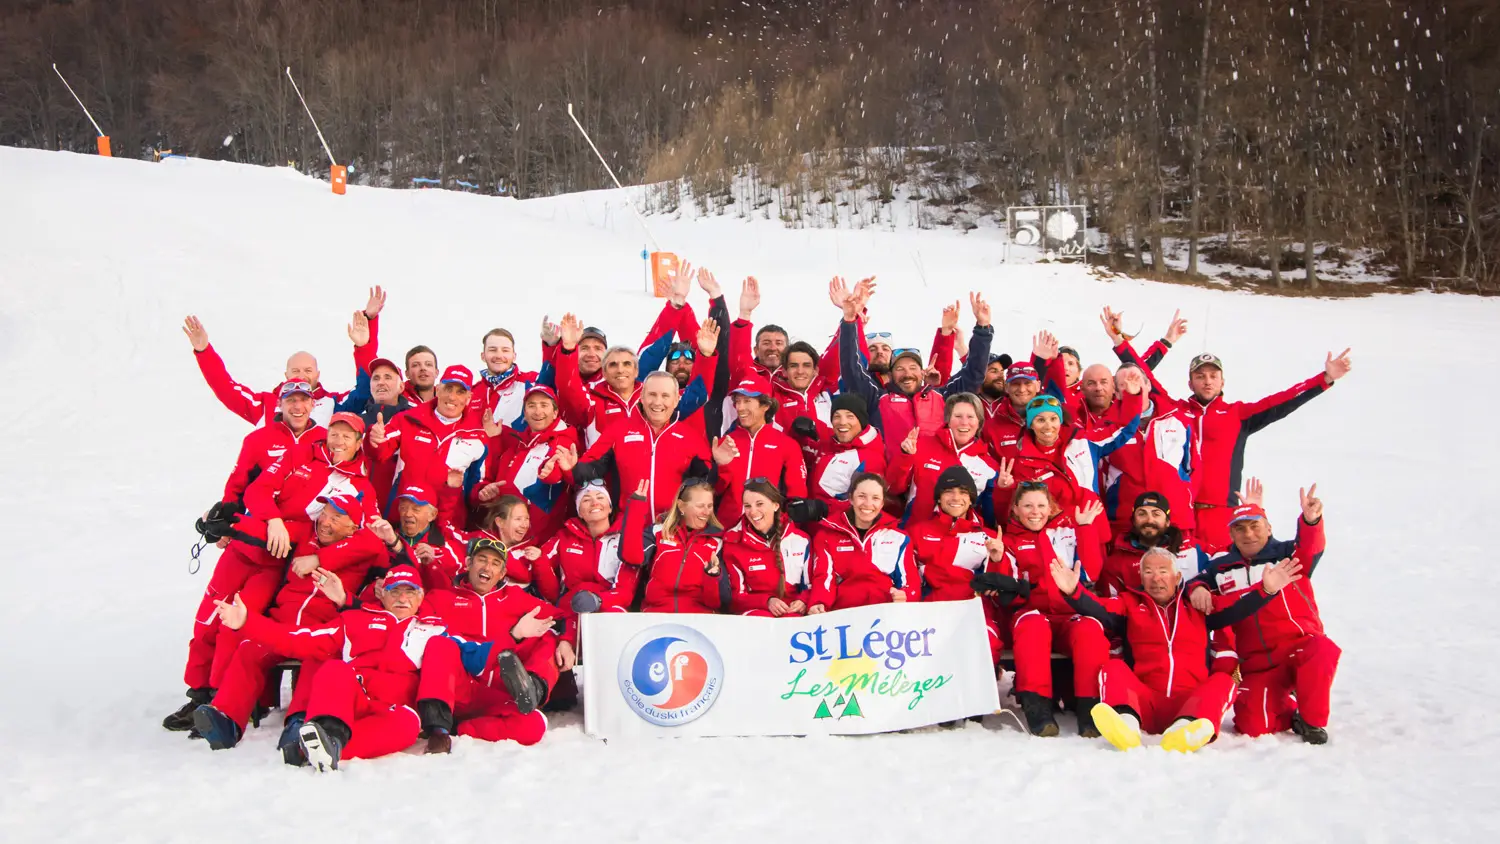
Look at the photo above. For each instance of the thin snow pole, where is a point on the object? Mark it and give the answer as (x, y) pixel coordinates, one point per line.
(76, 99)
(314, 120)
(656, 246)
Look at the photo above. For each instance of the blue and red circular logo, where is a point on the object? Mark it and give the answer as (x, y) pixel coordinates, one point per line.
(670, 674)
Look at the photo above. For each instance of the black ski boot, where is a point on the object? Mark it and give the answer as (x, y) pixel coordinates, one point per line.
(1038, 711)
(437, 725)
(323, 741)
(1084, 707)
(564, 697)
(182, 720)
(221, 732)
(526, 689)
(1309, 733)
(289, 743)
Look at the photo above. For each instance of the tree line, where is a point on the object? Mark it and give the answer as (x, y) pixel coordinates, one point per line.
(1247, 129)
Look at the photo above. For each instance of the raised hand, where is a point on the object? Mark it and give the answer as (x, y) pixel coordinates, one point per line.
(1044, 345)
(1005, 478)
(708, 337)
(1176, 329)
(682, 285)
(550, 331)
(709, 284)
(950, 318)
(530, 627)
(571, 331)
(565, 657)
(838, 294)
(1111, 322)
(1312, 506)
(1283, 574)
(994, 548)
(359, 329)
(196, 333)
(749, 297)
(863, 291)
(383, 530)
(725, 451)
(909, 445)
(1064, 576)
(980, 308)
(566, 458)
(1337, 367)
(489, 492)
(376, 303)
(277, 540)
(377, 431)
(643, 489)
(547, 466)
(1253, 493)
(232, 615)
(1135, 381)
(329, 584)
(1087, 514)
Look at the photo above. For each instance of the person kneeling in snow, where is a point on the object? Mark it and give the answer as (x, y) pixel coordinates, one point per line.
(1284, 651)
(500, 702)
(362, 697)
(1166, 689)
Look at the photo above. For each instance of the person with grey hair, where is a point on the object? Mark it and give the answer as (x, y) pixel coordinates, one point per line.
(922, 458)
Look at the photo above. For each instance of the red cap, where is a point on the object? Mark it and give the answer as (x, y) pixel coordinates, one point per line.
(402, 575)
(347, 504)
(541, 389)
(753, 385)
(1021, 370)
(458, 375)
(1246, 512)
(416, 495)
(379, 362)
(350, 419)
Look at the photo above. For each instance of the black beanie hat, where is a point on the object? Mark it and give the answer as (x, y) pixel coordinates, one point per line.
(955, 477)
(855, 405)
(1153, 499)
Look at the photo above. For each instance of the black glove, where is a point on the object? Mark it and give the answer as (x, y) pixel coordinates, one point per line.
(216, 523)
(1008, 587)
(805, 428)
(807, 510)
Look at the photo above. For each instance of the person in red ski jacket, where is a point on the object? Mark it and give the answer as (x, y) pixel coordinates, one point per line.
(498, 396)
(290, 430)
(770, 555)
(580, 568)
(756, 448)
(682, 552)
(1167, 687)
(501, 702)
(1006, 422)
(1222, 428)
(507, 520)
(1286, 659)
(952, 544)
(1040, 532)
(436, 446)
(524, 463)
(1151, 527)
(281, 506)
(339, 549)
(260, 407)
(421, 375)
(362, 698)
(992, 391)
(861, 556)
(907, 402)
(849, 447)
(922, 458)
(421, 539)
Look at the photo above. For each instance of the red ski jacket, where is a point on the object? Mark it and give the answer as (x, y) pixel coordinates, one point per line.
(768, 453)
(423, 447)
(264, 446)
(300, 602)
(838, 463)
(259, 407)
(515, 462)
(678, 582)
(765, 571)
(632, 452)
(574, 559)
(850, 570)
(504, 395)
(1029, 555)
(949, 552)
(289, 491)
(1172, 647)
(486, 618)
(916, 474)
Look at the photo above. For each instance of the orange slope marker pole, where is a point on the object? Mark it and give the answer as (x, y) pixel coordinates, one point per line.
(103, 138)
(658, 263)
(338, 174)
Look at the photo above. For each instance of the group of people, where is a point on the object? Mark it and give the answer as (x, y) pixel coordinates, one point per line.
(425, 544)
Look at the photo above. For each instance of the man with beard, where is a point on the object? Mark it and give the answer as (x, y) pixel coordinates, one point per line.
(680, 357)
(1151, 527)
(992, 391)
(907, 402)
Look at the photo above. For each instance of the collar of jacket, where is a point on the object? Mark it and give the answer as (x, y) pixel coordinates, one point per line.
(954, 525)
(498, 381)
(373, 407)
(354, 466)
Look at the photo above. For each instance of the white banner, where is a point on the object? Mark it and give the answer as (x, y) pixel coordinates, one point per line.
(865, 670)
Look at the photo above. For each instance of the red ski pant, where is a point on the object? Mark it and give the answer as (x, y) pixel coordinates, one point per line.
(245, 680)
(478, 710)
(376, 727)
(1303, 671)
(251, 572)
(298, 610)
(1122, 689)
(1035, 636)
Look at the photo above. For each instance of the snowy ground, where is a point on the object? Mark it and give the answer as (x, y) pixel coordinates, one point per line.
(101, 259)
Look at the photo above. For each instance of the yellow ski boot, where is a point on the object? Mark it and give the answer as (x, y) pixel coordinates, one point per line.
(1122, 731)
(1188, 736)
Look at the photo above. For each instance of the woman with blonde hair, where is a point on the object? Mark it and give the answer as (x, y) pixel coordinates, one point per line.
(681, 553)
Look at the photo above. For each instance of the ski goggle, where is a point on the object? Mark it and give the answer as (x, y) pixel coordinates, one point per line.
(878, 335)
(1048, 402)
(1032, 486)
(484, 543)
(899, 352)
(678, 354)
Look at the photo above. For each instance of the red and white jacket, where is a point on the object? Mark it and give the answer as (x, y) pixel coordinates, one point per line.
(768, 453)
(838, 463)
(916, 474)
(850, 570)
(423, 447)
(633, 452)
(575, 559)
(259, 407)
(300, 602)
(488, 617)
(1003, 427)
(678, 582)
(264, 446)
(765, 571)
(1029, 555)
(1160, 456)
(949, 551)
(289, 490)
(515, 462)
(1172, 647)
(449, 547)
(505, 398)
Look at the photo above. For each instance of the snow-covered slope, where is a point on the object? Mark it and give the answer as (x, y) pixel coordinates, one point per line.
(111, 444)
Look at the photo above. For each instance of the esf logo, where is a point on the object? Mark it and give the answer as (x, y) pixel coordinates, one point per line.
(670, 674)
